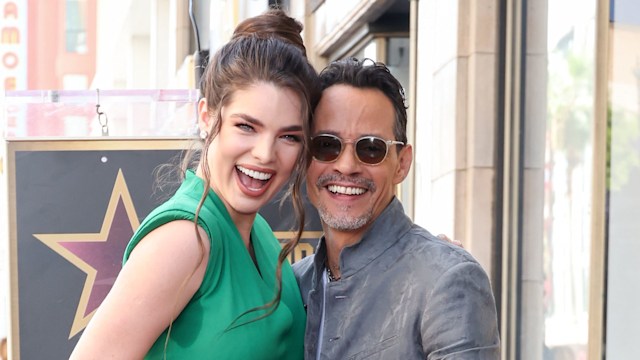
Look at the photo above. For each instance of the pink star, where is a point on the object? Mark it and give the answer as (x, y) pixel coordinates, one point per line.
(99, 255)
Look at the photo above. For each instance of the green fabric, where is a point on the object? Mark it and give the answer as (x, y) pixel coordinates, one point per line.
(231, 285)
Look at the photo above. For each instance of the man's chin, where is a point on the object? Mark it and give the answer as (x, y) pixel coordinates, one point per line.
(342, 221)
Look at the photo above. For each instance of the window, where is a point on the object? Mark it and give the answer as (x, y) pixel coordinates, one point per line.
(75, 26)
(567, 187)
(623, 180)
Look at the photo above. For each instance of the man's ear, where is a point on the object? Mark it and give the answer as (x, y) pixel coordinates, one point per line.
(405, 158)
(205, 120)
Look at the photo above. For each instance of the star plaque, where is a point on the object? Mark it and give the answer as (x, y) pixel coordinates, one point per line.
(98, 255)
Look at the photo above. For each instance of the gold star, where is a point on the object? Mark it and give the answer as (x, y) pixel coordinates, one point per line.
(99, 255)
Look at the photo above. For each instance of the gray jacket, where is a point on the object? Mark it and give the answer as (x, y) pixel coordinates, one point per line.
(404, 294)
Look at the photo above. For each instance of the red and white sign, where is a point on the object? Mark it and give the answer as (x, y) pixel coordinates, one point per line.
(13, 44)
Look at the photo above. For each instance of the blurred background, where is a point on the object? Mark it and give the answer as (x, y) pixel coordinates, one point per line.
(524, 117)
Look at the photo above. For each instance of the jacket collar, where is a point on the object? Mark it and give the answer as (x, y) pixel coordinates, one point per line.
(387, 229)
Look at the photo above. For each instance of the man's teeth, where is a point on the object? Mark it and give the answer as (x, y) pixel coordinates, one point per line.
(346, 190)
(254, 174)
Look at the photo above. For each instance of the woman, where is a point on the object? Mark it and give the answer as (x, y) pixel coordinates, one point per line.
(203, 276)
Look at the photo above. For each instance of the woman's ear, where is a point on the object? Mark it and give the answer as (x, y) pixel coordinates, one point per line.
(205, 120)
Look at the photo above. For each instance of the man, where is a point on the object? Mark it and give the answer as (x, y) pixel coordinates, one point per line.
(379, 286)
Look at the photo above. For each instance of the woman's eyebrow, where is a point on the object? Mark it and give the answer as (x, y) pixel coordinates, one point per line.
(254, 121)
(291, 128)
(247, 118)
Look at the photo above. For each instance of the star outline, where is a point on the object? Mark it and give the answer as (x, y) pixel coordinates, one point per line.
(120, 191)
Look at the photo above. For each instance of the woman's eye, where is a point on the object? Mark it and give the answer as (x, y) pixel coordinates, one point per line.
(292, 138)
(245, 127)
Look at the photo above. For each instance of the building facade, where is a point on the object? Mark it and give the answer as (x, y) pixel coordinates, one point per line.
(524, 119)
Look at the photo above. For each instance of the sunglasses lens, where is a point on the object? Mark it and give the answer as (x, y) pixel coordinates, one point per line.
(325, 148)
(371, 150)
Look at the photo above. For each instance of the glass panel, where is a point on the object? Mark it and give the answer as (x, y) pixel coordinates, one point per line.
(127, 113)
(568, 164)
(623, 293)
(398, 60)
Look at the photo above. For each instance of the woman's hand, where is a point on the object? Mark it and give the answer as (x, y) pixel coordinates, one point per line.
(446, 238)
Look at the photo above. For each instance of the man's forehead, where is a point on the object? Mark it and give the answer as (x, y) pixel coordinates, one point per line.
(344, 108)
(343, 93)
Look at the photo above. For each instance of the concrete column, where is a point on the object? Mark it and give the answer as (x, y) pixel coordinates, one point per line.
(532, 315)
(455, 126)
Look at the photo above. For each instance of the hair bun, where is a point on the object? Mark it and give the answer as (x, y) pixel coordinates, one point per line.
(272, 23)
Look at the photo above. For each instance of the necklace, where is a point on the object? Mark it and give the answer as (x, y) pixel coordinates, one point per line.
(331, 277)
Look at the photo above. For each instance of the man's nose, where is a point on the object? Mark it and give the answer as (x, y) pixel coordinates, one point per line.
(347, 162)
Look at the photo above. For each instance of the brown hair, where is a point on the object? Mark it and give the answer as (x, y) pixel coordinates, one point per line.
(272, 23)
(266, 48)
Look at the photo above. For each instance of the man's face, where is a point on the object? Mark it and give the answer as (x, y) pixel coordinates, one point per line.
(348, 193)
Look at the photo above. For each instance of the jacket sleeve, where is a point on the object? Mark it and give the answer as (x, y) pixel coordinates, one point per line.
(459, 321)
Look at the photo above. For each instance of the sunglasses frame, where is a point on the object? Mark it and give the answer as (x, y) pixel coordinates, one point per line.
(343, 143)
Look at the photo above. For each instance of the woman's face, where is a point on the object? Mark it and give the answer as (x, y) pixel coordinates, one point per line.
(257, 148)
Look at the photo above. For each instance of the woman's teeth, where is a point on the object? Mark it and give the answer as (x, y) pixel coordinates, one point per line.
(254, 174)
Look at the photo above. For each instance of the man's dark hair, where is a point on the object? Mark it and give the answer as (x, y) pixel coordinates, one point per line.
(374, 75)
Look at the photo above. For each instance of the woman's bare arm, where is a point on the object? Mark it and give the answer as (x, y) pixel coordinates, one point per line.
(153, 287)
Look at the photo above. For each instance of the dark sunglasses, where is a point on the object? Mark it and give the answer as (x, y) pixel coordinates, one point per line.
(370, 150)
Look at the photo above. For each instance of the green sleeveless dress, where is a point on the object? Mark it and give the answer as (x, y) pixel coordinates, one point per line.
(231, 285)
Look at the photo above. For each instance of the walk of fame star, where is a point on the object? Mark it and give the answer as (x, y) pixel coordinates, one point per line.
(99, 255)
